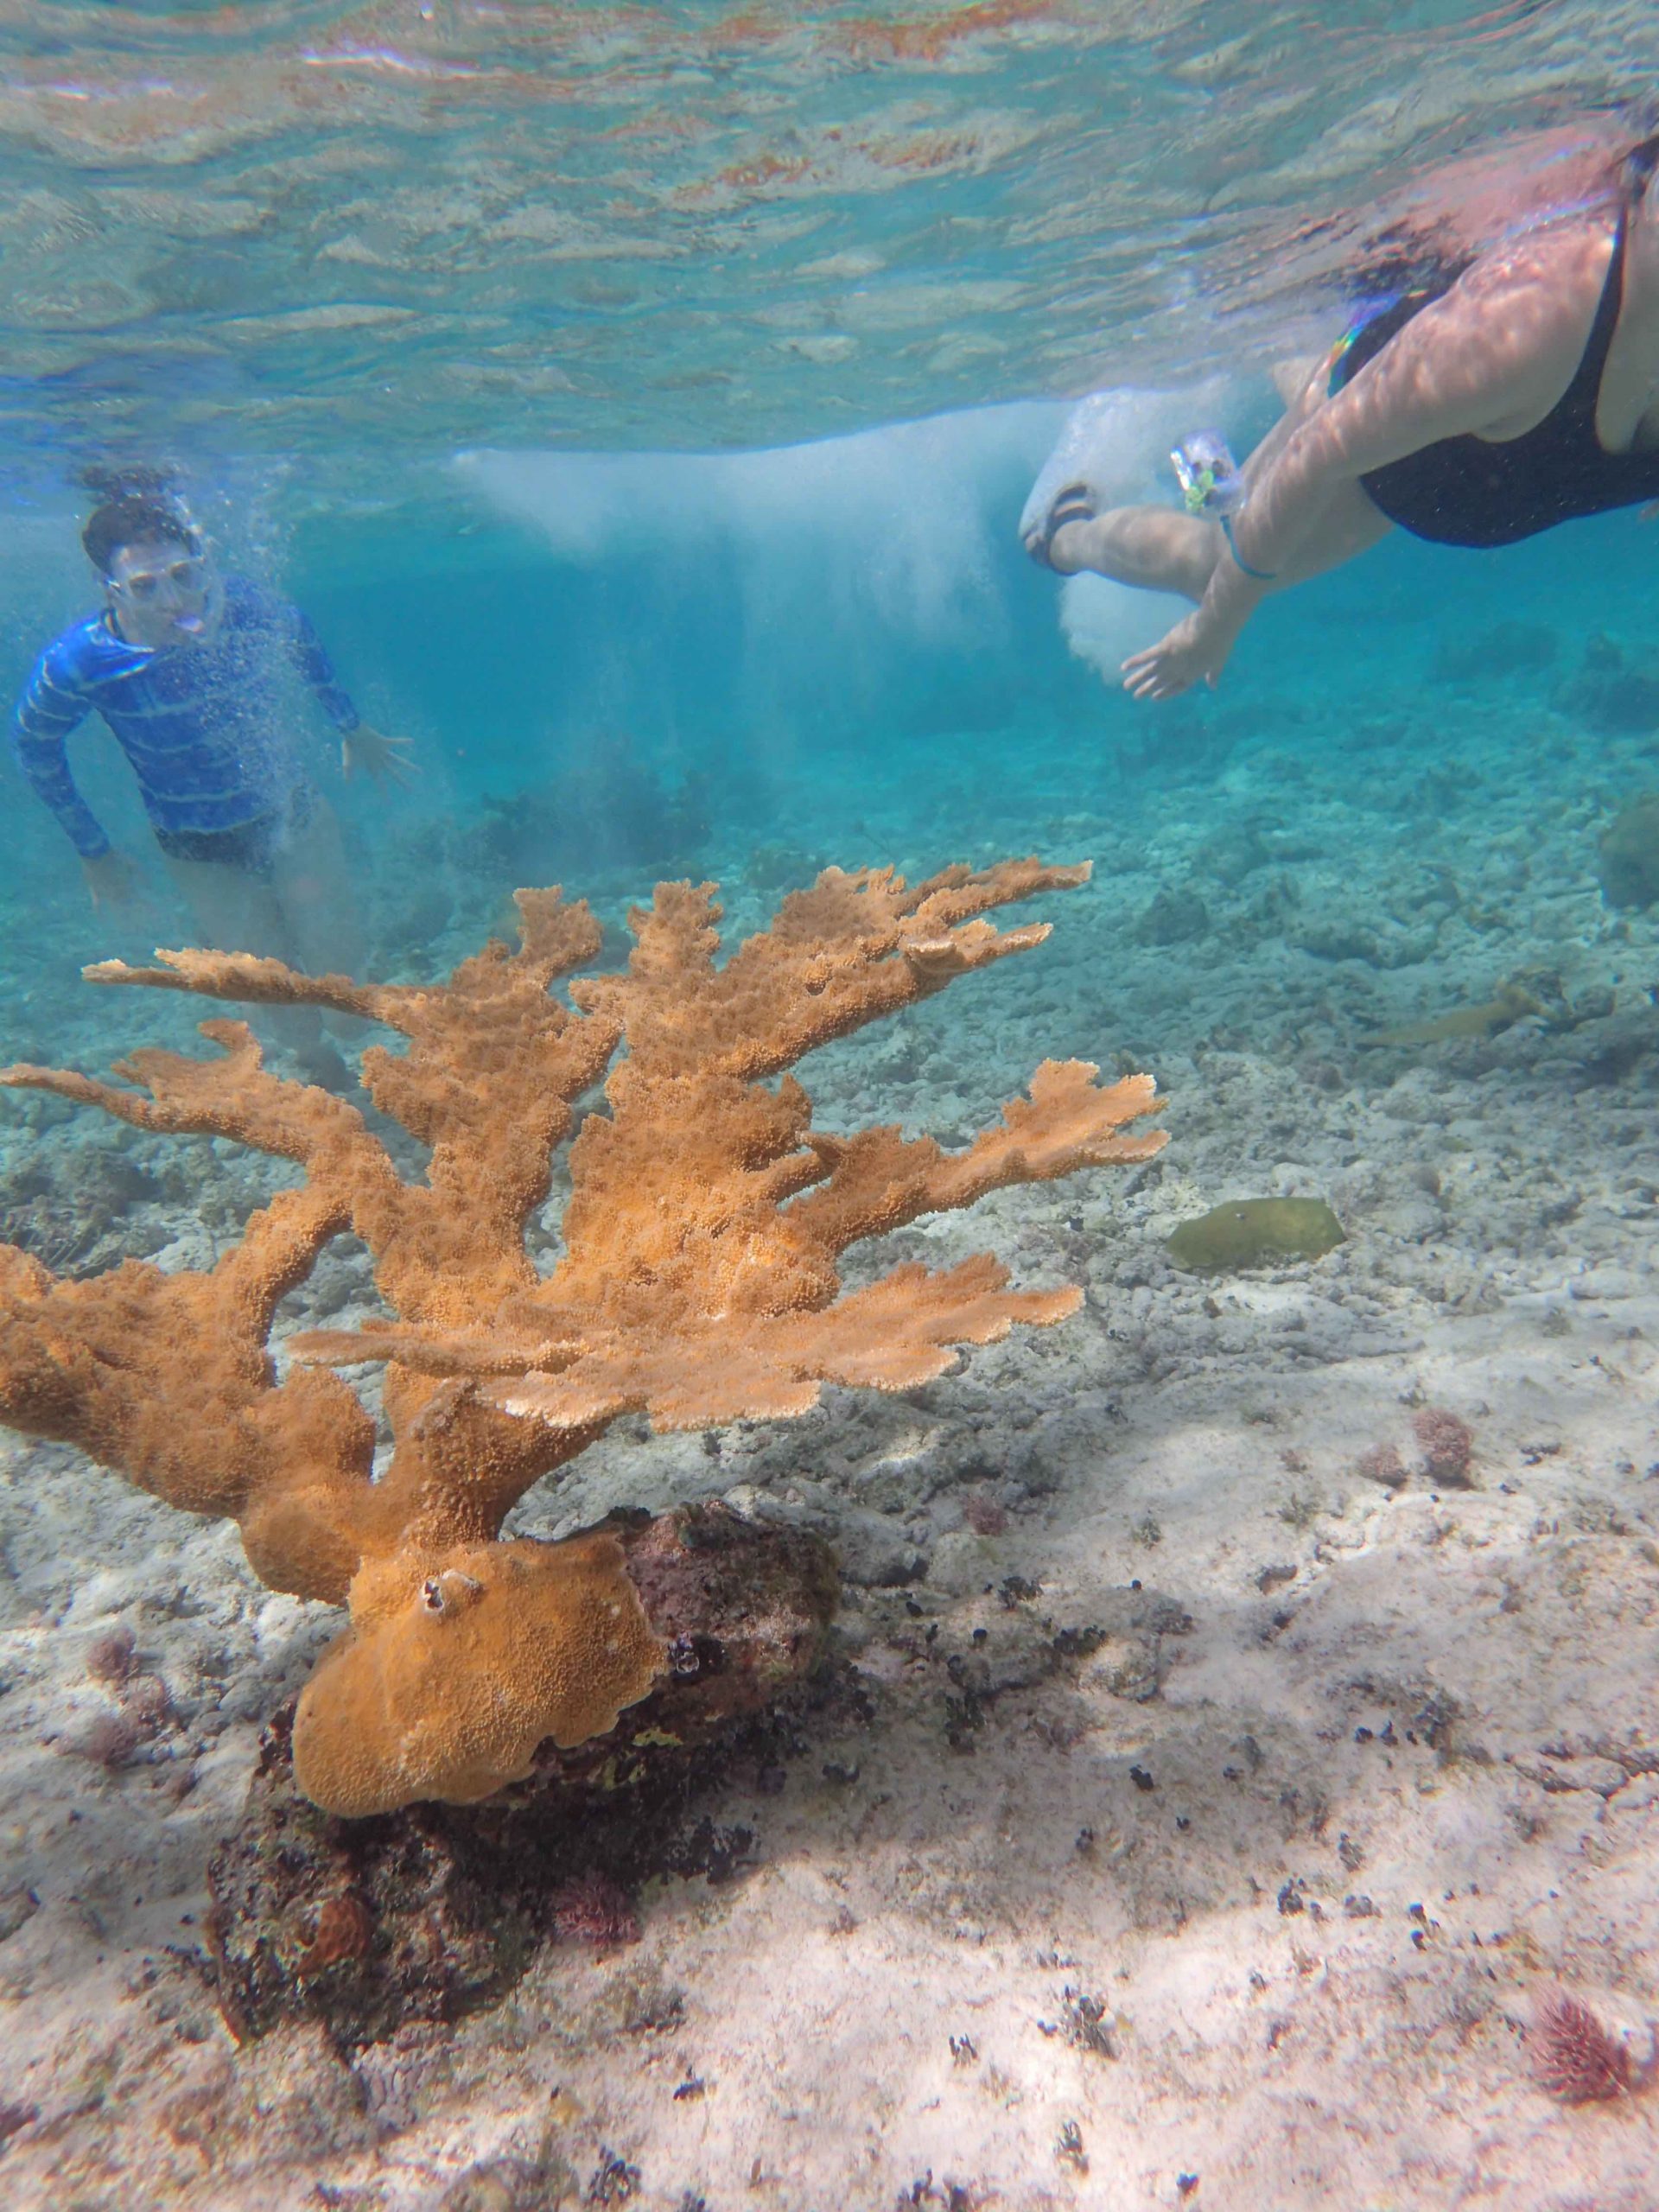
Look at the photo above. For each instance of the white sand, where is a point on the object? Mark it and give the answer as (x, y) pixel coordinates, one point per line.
(1310, 1953)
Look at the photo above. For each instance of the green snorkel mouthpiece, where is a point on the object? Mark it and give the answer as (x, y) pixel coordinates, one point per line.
(1212, 485)
(1208, 475)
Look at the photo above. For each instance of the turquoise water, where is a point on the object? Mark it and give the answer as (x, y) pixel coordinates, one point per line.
(416, 298)
(642, 403)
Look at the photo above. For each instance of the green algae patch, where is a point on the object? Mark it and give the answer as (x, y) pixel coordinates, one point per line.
(1255, 1232)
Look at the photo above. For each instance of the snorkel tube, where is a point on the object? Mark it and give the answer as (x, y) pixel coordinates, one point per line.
(1208, 475)
(1212, 485)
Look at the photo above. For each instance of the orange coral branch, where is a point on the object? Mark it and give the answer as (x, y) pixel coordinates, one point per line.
(878, 1181)
(166, 1377)
(699, 1282)
(895, 1335)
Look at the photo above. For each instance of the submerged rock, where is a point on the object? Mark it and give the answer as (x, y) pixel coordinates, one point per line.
(1629, 857)
(1254, 1232)
(422, 1914)
(1497, 653)
(1172, 917)
(1609, 696)
(1234, 851)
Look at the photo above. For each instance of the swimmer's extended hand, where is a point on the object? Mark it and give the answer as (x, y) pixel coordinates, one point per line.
(112, 880)
(1195, 651)
(386, 759)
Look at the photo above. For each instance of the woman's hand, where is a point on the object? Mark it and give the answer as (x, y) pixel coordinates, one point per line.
(386, 759)
(1195, 651)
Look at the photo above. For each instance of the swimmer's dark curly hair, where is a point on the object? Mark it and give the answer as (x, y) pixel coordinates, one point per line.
(1407, 257)
(1412, 254)
(1639, 166)
(133, 504)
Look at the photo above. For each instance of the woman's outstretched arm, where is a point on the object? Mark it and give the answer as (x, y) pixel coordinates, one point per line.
(1491, 357)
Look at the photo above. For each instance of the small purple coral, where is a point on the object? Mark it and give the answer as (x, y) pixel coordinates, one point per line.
(983, 1515)
(1382, 1464)
(593, 1909)
(1577, 2059)
(1447, 1442)
(111, 1656)
(109, 1739)
(146, 1701)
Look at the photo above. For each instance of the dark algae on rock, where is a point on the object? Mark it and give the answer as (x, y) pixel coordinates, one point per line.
(1256, 1232)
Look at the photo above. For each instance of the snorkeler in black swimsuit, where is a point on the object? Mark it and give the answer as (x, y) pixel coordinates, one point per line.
(1465, 412)
(1483, 491)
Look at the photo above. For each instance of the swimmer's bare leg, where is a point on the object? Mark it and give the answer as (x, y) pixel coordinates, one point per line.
(236, 911)
(1162, 549)
(1159, 548)
(1154, 549)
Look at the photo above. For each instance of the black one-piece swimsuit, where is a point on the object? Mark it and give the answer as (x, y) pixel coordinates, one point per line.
(1470, 491)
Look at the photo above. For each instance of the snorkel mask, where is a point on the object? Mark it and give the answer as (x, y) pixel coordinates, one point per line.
(173, 599)
(194, 577)
(1208, 475)
(1212, 486)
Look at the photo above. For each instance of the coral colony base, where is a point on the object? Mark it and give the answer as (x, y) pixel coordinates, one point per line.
(698, 1283)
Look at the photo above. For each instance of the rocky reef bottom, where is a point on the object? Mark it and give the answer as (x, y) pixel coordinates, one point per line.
(367, 1926)
(1259, 1669)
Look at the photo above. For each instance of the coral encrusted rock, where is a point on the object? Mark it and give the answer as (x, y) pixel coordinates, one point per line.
(370, 1925)
(699, 1283)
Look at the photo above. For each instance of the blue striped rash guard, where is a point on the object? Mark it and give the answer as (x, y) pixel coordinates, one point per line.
(200, 723)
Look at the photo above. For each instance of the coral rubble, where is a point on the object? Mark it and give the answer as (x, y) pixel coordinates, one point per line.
(699, 1283)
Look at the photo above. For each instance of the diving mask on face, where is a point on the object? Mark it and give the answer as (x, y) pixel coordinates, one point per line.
(188, 577)
(1208, 475)
(169, 602)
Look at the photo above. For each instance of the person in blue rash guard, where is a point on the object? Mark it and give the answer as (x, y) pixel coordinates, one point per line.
(186, 668)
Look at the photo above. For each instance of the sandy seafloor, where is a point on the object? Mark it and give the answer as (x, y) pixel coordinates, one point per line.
(1355, 1776)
